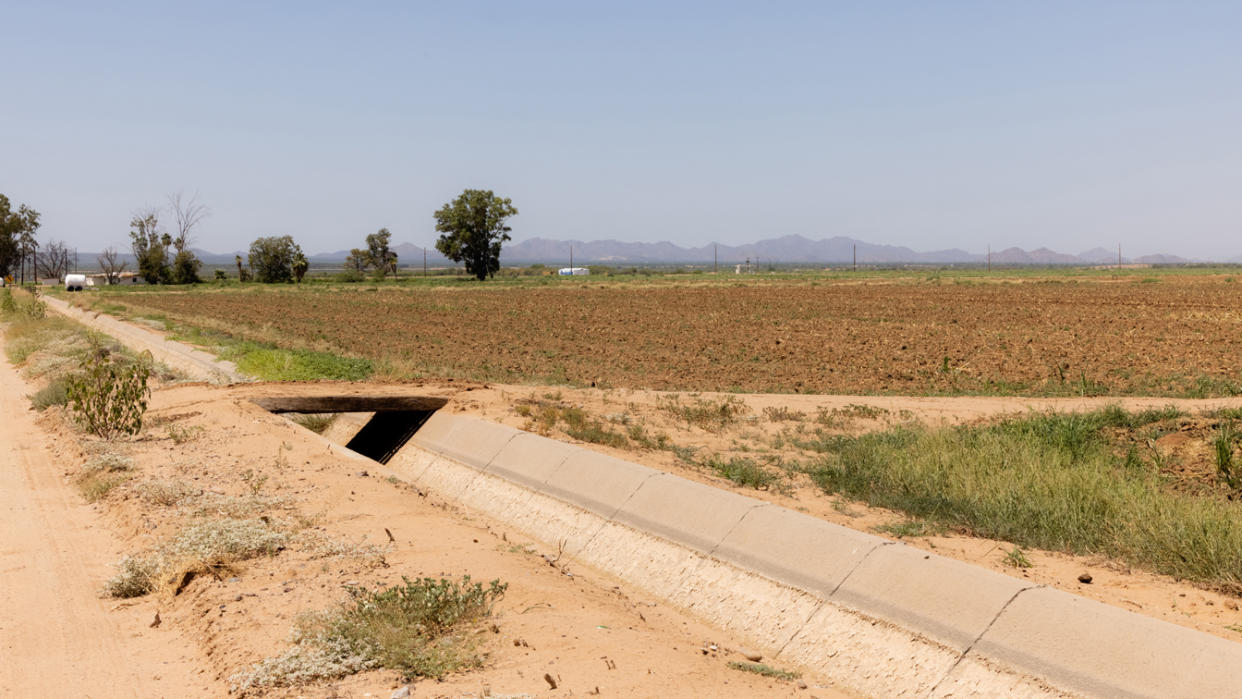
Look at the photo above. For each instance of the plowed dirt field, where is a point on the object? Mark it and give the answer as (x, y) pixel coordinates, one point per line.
(1165, 336)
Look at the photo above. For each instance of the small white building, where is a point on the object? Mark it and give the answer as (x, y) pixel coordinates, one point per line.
(573, 271)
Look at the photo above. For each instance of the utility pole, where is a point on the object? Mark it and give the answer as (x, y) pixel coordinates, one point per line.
(571, 259)
(1118, 255)
(424, 262)
(989, 257)
(715, 257)
(855, 257)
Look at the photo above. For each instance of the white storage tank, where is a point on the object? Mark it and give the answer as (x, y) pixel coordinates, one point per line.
(75, 282)
(573, 271)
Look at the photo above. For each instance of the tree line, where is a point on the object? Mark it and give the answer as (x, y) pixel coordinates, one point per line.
(473, 228)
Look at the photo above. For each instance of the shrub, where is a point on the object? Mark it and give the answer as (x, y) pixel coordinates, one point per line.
(416, 628)
(165, 492)
(135, 577)
(55, 393)
(207, 545)
(110, 395)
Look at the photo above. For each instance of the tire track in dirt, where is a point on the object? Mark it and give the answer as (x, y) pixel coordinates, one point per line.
(57, 637)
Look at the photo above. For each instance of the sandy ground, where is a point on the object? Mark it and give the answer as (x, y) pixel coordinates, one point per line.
(57, 637)
(591, 633)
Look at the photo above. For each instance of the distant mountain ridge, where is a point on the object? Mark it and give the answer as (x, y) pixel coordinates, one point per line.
(795, 249)
(790, 249)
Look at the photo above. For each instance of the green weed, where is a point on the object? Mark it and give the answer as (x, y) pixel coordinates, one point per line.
(764, 670)
(1048, 481)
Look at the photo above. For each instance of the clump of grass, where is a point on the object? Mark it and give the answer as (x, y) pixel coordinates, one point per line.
(419, 629)
(315, 422)
(95, 485)
(909, 528)
(165, 492)
(742, 471)
(221, 540)
(1016, 558)
(1050, 481)
(782, 413)
(597, 432)
(1226, 469)
(845, 416)
(102, 475)
(56, 392)
(639, 435)
(135, 577)
(707, 414)
(110, 461)
(180, 435)
(210, 545)
(764, 670)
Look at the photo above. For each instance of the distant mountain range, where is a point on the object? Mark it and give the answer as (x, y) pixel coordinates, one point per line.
(790, 249)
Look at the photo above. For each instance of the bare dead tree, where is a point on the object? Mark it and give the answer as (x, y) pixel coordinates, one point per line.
(188, 214)
(112, 265)
(54, 262)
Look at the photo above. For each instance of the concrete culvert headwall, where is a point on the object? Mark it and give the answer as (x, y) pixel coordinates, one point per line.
(883, 618)
(378, 426)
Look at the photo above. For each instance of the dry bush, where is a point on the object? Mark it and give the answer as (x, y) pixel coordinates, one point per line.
(420, 629)
(205, 546)
(165, 492)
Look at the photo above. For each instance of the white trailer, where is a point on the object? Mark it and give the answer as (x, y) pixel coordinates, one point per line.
(75, 282)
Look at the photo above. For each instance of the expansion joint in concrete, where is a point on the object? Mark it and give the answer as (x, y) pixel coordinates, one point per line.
(612, 517)
(857, 565)
(948, 673)
(735, 525)
(802, 627)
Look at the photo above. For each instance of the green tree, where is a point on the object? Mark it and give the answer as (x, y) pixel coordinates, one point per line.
(271, 259)
(150, 247)
(185, 268)
(474, 228)
(378, 255)
(300, 265)
(17, 231)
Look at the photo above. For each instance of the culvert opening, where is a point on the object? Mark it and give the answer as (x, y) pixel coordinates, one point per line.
(386, 422)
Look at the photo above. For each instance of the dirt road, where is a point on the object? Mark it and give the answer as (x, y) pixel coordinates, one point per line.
(57, 637)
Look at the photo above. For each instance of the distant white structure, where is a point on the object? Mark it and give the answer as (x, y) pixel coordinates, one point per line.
(573, 271)
(75, 282)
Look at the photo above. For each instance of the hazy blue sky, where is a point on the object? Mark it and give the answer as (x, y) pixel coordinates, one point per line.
(927, 124)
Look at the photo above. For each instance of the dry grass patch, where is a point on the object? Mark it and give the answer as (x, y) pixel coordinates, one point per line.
(209, 546)
(421, 628)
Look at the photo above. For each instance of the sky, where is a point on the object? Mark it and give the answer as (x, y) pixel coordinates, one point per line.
(1067, 125)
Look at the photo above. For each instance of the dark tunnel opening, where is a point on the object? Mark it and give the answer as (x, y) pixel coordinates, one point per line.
(385, 434)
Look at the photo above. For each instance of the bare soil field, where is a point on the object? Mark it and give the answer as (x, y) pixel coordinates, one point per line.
(1165, 335)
